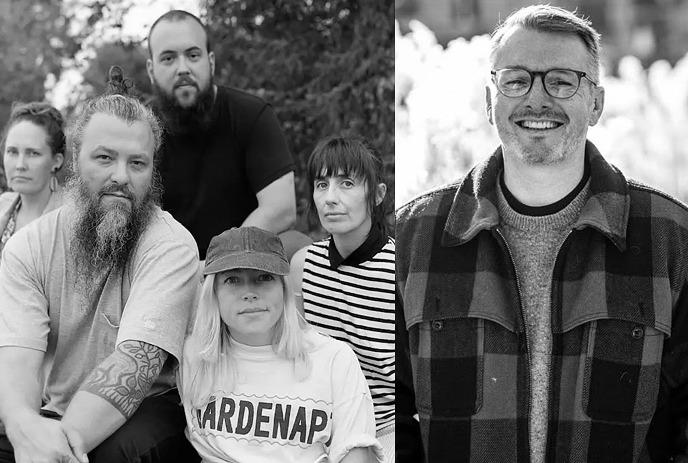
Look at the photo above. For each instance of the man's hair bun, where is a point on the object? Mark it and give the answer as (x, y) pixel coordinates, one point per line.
(117, 84)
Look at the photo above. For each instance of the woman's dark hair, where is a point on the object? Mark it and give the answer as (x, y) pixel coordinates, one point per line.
(43, 115)
(353, 157)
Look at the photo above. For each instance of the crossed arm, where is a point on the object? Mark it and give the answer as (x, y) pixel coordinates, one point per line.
(106, 400)
(33, 437)
(113, 391)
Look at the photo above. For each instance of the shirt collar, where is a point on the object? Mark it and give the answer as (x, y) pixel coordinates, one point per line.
(374, 242)
(474, 207)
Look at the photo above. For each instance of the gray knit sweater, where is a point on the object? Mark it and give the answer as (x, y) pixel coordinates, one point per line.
(534, 242)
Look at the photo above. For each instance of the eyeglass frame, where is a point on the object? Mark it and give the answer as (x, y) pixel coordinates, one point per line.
(534, 74)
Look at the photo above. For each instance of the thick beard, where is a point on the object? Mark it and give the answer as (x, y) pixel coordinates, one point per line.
(180, 120)
(104, 238)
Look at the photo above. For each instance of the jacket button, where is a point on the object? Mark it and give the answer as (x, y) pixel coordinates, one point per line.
(637, 332)
(437, 325)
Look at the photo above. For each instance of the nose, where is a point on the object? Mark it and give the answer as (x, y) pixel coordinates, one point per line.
(21, 162)
(331, 195)
(183, 66)
(250, 296)
(119, 173)
(538, 97)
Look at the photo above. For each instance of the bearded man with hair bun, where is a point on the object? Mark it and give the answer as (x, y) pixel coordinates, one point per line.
(95, 298)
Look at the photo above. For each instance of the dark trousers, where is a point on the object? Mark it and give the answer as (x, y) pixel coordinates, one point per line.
(154, 434)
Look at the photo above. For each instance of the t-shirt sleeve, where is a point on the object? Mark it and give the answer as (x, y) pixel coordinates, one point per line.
(353, 420)
(24, 319)
(164, 285)
(267, 154)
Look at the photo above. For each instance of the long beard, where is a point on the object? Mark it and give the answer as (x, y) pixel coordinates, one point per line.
(180, 120)
(104, 237)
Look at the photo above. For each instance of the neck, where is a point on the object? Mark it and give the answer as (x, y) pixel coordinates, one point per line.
(348, 242)
(540, 185)
(34, 204)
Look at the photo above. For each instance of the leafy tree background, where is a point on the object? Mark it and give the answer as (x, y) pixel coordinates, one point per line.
(327, 67)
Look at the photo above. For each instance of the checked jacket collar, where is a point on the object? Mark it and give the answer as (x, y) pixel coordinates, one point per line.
(618, 291)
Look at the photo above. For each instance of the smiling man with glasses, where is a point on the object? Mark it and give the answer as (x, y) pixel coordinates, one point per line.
(542, 306)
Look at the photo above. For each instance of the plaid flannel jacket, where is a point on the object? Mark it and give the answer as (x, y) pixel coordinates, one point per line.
(619, 374)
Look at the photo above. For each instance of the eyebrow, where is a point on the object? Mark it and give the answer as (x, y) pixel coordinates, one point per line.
(194, 48)
(117, 153)
(105, 149)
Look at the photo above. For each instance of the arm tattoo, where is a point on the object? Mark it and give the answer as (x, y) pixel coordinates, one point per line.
(124, 377)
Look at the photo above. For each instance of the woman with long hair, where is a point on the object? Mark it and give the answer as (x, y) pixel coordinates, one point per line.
(257, 384)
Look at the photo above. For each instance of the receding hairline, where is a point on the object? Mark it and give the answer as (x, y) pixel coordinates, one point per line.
(548, 19)
(174, 16)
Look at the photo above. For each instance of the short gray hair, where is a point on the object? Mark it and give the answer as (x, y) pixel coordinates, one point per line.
(127, 108)
(552, 19)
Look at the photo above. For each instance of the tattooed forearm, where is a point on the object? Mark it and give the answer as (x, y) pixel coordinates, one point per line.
(124, 378)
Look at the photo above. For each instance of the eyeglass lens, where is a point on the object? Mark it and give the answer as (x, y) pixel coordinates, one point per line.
(559, 83)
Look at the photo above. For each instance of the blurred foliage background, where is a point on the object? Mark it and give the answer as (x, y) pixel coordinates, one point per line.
(326, 66)
(442, 70)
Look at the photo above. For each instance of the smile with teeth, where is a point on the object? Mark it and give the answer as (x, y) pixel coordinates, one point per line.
(539, 125)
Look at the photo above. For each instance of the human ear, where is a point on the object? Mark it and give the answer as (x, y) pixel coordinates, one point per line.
(597, 105)
(59, 160)
(488, 104)
(211, 58)
(149, 69)
(380, 192)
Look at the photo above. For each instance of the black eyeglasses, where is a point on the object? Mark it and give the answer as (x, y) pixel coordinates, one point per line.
(558, 83)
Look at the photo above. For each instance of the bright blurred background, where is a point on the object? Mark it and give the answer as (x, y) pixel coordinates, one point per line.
(441, 51)
(325, 66)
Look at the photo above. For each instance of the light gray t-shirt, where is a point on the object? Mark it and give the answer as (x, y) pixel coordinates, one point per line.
(150, 301)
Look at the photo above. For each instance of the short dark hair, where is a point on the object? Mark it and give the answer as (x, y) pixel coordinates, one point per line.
(43, 115)
(353, 157)
(179, 15)
(547, 18)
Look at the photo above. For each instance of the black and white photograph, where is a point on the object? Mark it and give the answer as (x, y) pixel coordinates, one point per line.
(542, 285)
(196, 218)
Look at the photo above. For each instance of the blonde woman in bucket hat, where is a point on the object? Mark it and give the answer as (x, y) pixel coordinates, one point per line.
(258, 385)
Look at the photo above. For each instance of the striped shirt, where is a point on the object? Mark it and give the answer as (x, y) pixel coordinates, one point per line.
(354, 302)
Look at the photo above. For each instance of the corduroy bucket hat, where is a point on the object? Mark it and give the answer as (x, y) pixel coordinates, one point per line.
(246, 247)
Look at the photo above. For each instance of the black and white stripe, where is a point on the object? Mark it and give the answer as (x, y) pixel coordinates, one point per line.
(355, 304)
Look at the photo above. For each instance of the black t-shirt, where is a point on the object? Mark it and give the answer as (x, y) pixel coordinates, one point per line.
(210, 179)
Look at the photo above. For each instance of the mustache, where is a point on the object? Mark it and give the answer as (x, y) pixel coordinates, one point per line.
(114, 188)
(184, 80)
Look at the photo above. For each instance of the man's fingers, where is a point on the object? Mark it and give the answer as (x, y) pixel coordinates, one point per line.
(76, 444)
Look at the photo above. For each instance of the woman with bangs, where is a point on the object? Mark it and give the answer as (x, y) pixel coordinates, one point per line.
(257, 384)
(345, 283)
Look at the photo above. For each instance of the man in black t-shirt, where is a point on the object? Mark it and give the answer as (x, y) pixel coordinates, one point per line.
(224, 160)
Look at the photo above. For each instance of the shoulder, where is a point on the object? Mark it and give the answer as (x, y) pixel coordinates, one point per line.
(164, 232)
(38, 236)
(424, 212)
(239, 100)
(296, 266)
(390, 245)
(299, 258)
(328, 348)
(649, 202)
(7, 200)
(431, 202)
(318, 251)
